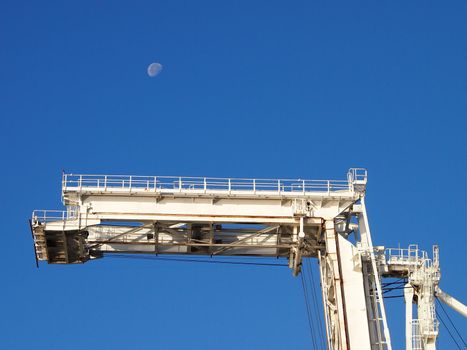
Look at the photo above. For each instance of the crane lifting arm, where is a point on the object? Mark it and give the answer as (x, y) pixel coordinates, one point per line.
(288, 218)
(291, 218)
(452, 302)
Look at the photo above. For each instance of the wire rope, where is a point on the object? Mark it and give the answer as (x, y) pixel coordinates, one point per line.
(444, 324)
(452, 323)
(315, 301)
(156, 258)
(308, 312)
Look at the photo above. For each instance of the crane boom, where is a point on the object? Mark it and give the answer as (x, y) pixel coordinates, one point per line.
(290, 219)
(451, 302)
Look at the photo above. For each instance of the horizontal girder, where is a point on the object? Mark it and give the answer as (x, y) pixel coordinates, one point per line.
(190, 215)
(179, 238)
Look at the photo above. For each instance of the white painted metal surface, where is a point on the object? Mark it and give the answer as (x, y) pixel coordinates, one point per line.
(451, 302)
(423, 276)
(288, 219)
(354, 295)
(408, 298)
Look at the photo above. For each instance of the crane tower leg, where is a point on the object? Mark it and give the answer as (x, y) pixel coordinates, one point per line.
(330, 271)
(343, 290)
(408, 296)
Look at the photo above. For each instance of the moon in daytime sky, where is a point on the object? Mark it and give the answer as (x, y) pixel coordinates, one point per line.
(154, 69)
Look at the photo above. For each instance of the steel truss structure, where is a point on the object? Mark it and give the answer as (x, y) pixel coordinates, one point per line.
(293, 219)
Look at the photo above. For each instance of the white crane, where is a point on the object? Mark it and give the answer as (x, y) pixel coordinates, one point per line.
(291, 218)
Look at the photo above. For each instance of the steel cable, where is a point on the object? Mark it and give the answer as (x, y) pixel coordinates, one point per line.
(155, 258)
(452, 323)
(315, 301)
(444, 324)
(308, 311)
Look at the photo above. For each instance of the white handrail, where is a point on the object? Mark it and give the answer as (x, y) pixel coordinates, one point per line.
(80, 182)
(43, 216)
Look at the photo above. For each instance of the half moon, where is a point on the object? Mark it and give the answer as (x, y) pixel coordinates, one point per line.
(154, 69)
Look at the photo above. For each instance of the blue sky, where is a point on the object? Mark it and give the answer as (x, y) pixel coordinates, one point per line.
(302, 89)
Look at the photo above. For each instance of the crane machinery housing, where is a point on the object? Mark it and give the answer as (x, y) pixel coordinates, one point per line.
(290, 218)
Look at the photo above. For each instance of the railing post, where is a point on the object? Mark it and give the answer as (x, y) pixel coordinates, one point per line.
(279, 186)
(80, 182)
(180, 184)
(303, 187)
(105, 183)
(329, 187)
(155, 183)
(130, 183)
(229, 187)
(254, 186)
(205, 185)
(351, 175)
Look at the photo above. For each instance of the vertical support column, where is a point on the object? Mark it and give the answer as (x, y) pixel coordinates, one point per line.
(295, 257)
(211, 238)
(156, 238)
(332, 291)
(408, 297)
(301, 233)
(426, 311)
(293, 250)
(344, 294)
(324, 294)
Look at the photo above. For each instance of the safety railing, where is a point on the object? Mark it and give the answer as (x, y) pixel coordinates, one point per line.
(104, 183)
(357, 175)
(422, 328)
(44, 216)
(430, 325)
(417, 340)
(411, 255)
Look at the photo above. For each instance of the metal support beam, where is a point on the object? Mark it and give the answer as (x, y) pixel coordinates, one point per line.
(408, 298)
(452, 302)
(333, 293)
(375, 304)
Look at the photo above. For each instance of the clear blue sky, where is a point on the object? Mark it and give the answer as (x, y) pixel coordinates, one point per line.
(302, 89)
